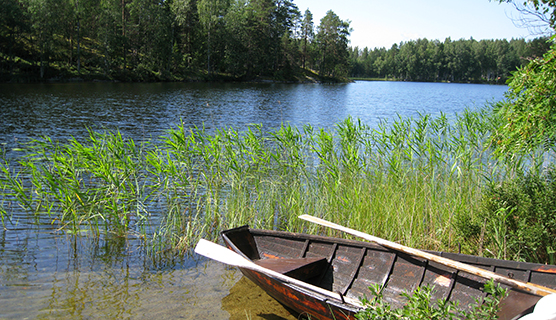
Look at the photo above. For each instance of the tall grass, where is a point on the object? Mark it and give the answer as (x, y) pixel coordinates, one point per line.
(405, 181)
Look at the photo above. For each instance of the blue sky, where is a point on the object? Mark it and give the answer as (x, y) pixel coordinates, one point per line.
(381, 23)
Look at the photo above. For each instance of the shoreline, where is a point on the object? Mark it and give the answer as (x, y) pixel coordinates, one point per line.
(424, 81)
(302, 76)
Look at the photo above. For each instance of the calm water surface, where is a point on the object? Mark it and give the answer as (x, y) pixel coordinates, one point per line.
(146, 111)
(45, 273)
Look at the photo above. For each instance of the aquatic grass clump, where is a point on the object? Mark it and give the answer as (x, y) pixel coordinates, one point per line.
(407, 181)
(98, 182)
(409, 175)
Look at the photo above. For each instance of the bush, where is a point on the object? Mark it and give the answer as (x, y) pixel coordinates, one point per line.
(529, 113)
(520, 219)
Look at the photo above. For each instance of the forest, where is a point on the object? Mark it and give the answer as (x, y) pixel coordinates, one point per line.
(484, 61)
(235, 40)
(147, 40)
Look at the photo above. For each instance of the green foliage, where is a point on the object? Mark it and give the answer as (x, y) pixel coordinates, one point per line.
(520, 218)
(332, 40)
(307, 37)
(161, 40)
(528, 115)
(433, 60)
(421, 305)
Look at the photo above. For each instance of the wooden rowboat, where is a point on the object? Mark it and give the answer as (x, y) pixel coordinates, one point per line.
(347, 268)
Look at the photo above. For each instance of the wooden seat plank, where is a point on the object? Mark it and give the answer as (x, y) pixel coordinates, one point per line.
(299, 268)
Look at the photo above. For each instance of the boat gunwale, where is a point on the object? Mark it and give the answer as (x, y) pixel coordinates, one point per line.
(466, 258)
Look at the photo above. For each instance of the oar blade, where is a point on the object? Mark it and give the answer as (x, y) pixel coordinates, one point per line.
(222, 254)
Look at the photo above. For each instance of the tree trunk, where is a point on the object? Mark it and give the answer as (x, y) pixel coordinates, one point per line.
(78, 39)
(123, 36)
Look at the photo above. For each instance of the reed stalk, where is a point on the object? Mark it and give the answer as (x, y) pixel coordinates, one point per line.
(406, 181)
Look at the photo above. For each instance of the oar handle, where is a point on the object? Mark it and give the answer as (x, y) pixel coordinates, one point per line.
(525, 286)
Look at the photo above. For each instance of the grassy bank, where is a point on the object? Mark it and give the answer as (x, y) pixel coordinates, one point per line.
(409, 181)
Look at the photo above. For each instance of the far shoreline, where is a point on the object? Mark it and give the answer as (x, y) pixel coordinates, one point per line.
(439, 81)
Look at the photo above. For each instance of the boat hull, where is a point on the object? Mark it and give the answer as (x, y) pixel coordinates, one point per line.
(302, 302)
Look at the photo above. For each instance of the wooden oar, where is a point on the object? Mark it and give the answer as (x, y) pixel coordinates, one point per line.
(525, 286)
(222, 254)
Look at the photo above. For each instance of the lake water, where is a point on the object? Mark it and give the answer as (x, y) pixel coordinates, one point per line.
(48, 274)
(147, 110)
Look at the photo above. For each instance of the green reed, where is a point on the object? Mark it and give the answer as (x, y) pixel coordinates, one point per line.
(404, 181)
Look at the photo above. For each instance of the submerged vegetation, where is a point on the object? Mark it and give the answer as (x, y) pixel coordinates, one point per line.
(421, 182)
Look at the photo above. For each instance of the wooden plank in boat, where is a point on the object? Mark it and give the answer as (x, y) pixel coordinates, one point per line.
(298, 268)
(467, 289)
(544, 276)
(278, 247)
(319, 249)
(512, 273)
(375, 269)
(406, 276)
(441, 278)
(344, 264)
(517, 304)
